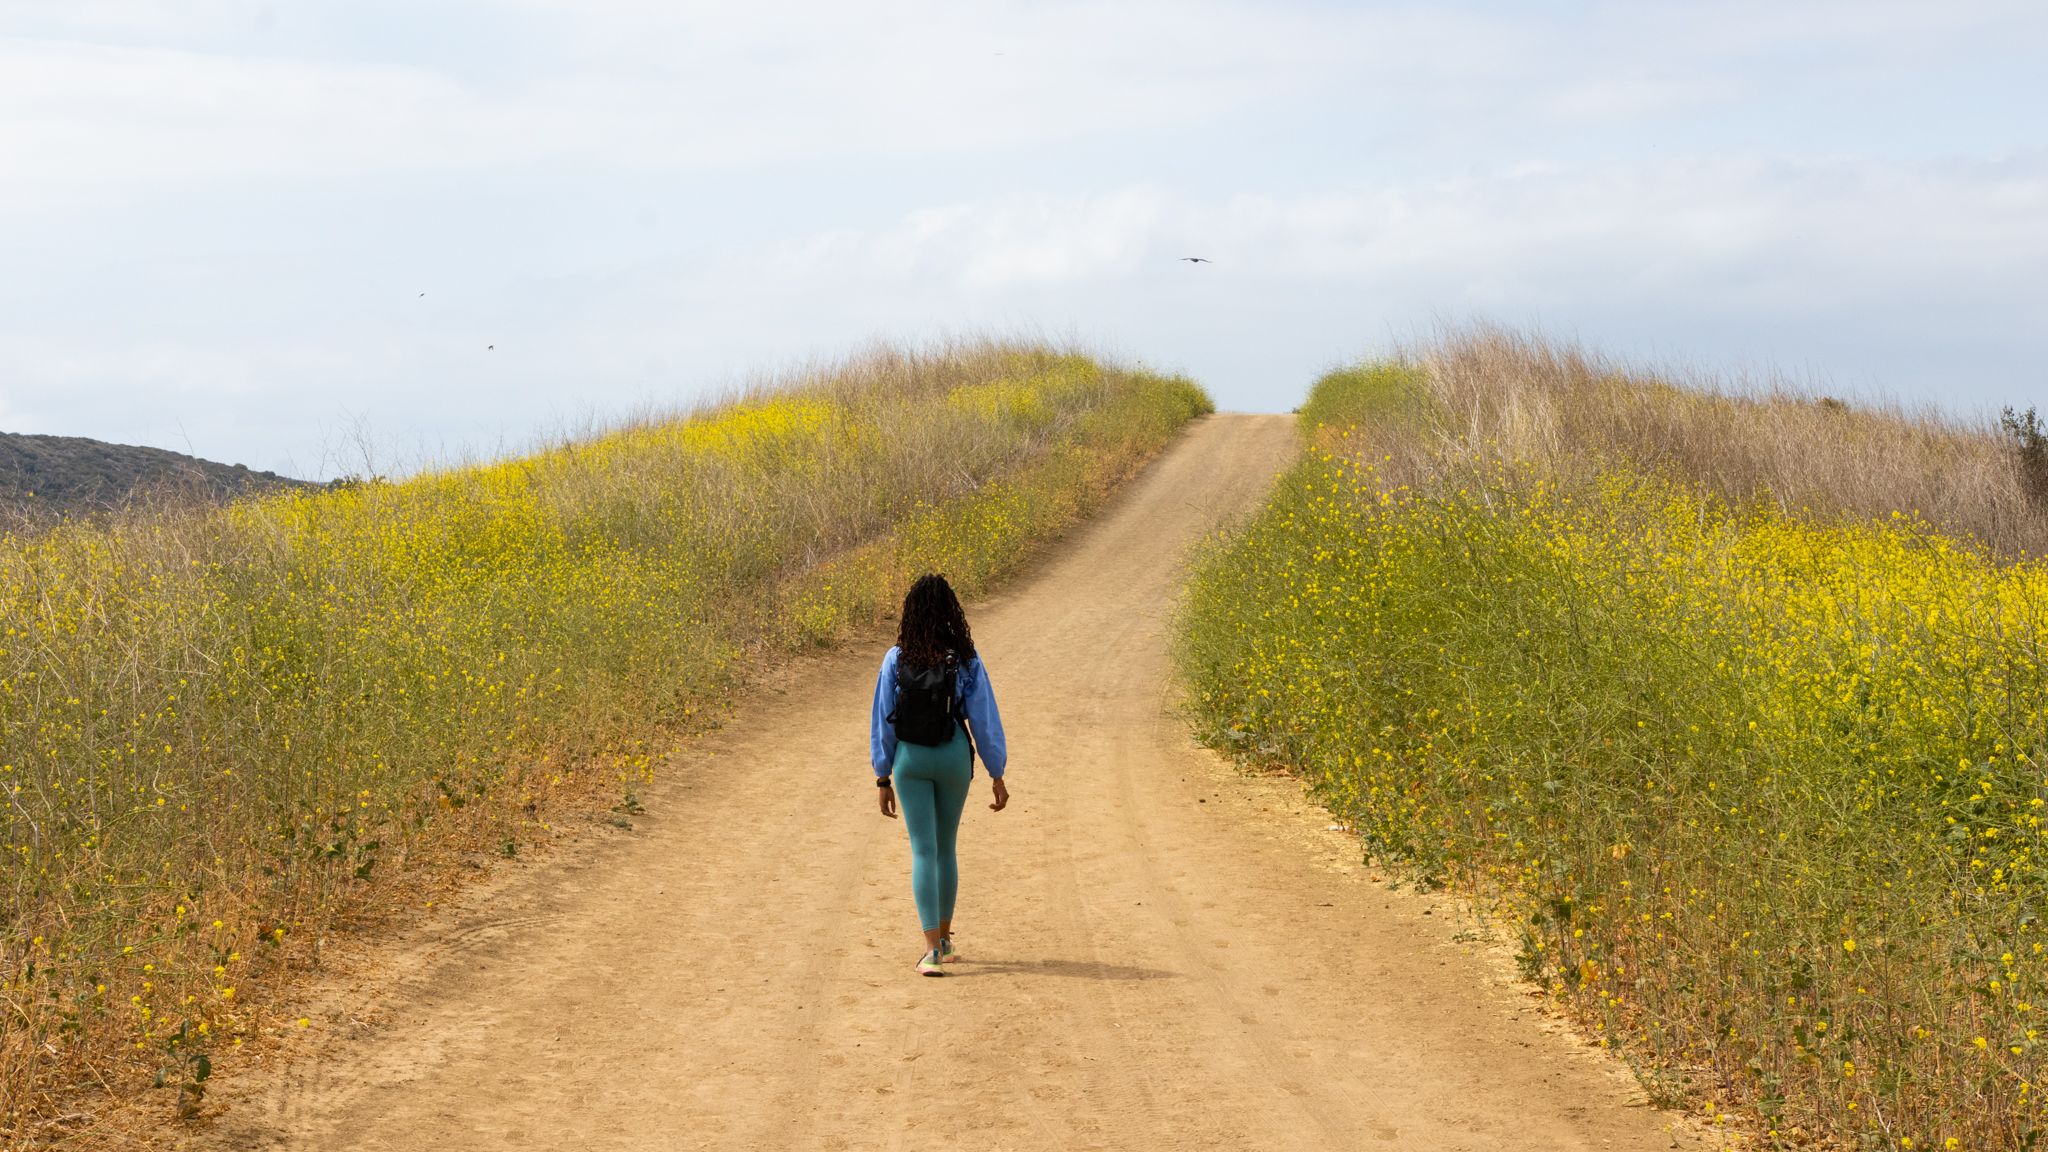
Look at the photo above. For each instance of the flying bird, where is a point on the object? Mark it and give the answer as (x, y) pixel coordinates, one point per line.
(1196, 260)
(489, 347)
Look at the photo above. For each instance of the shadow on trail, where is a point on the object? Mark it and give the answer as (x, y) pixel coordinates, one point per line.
(1073, 969)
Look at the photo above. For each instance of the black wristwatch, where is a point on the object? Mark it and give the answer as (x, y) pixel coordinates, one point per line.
(881, 781)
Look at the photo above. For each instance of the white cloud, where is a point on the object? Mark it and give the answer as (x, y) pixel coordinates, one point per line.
(708, 87)
(76, 116)
(1803, 233)
(989, 246)
(101, 96)
(127, 17)
(1742, 169)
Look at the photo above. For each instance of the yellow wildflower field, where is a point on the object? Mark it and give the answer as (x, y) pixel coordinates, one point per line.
(223, 728)
(1758, 793)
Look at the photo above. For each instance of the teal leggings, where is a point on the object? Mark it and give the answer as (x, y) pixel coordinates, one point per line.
(931, 789)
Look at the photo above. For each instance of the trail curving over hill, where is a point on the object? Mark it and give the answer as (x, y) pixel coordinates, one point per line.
(1160, 953)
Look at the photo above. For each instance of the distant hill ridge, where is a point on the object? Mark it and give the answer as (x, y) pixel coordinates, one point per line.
(74, 474)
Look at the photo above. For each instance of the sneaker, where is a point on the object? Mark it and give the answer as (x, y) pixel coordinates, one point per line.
(929, 966)
(946, 953)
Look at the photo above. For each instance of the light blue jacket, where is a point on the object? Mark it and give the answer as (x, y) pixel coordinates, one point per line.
(977, 703)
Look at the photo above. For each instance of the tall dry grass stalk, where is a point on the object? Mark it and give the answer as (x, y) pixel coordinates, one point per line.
(1734, 702)
(226, 731)
(1484, 394)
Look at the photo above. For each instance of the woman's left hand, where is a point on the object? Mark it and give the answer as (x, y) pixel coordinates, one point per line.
(1002, 792)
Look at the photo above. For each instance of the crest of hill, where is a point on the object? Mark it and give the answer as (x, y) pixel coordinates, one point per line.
(73, 474)
(1437, 413)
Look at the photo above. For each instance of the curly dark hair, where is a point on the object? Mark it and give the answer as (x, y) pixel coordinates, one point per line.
(933, 622)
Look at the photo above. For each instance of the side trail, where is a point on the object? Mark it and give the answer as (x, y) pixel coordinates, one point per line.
(1159, 952)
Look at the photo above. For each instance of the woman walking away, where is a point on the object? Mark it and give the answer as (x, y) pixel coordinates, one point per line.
(931, 684)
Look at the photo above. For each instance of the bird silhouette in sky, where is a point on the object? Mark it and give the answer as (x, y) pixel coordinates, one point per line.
(1197, 260)
(489, 347)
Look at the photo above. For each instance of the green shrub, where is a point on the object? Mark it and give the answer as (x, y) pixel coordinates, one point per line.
(1371, 390)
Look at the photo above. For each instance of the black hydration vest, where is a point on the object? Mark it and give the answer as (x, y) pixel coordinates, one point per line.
(925, 702)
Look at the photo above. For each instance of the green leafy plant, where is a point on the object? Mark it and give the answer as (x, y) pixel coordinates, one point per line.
(187, 1071)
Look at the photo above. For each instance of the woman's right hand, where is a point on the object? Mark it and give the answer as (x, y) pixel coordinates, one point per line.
(888, 802)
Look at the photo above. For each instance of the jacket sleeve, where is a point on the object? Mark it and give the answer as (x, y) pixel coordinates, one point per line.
(986, 721)
(881, 733)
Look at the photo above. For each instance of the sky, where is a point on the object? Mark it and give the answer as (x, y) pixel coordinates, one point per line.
(273, 233)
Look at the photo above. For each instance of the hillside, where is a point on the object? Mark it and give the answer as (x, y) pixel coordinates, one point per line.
(1730, 701)
(231, 732)
(72, 473)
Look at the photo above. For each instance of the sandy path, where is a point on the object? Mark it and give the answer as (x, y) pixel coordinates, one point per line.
(1160, 953)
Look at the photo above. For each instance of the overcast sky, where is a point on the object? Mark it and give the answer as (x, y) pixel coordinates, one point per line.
(238, 227)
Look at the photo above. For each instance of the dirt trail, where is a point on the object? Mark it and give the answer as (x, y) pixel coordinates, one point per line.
(1159, 952)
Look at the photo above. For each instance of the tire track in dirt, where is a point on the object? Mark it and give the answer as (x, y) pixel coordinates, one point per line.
(1154, 959)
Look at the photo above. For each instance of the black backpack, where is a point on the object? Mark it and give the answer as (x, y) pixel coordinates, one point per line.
(925, 702)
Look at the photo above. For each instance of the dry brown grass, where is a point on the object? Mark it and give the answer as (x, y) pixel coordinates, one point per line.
(1487, 394)
(1690, 676)
(229, 731)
